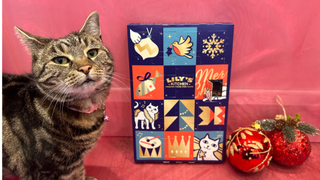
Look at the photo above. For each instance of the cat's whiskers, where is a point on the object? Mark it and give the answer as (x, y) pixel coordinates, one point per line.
(98, 73)
(108, 76)
(72, 83)
(50, 92)
(116, 76)
(64, 99)
(120, 75)
(113, 82)
(52, 101)
(119, 81)
(118, 87)
(65, 88)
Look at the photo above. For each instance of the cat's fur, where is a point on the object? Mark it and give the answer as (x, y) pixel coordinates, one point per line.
(148, 116)
(208, 146)
(45, 132)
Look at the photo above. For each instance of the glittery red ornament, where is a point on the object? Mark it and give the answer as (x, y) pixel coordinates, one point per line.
(249, 150)
(290, 154)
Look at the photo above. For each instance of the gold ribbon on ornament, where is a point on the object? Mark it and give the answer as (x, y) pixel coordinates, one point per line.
(283, 120)
(279, 101)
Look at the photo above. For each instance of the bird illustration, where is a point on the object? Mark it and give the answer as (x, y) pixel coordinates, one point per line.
(183, 48)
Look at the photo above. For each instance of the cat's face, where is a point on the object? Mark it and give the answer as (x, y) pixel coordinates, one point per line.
(152, 109)
(209, 144)
(77, 65)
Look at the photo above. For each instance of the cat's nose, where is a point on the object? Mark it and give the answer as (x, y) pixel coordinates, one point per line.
(85, 69)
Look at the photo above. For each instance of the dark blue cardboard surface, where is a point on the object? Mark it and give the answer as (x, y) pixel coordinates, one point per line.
(194, 80)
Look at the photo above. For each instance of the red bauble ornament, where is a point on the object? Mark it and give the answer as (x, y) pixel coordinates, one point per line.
(249, 150)
(290, 154)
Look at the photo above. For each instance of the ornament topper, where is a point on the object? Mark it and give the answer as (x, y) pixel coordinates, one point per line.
(287, 124)
(288, 135)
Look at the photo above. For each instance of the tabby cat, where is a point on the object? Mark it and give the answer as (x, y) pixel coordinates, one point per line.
(54, 116)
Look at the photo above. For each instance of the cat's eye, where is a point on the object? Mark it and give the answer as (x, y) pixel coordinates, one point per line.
(61, 60)
(92, 53)
(205, 141)
(214, 145)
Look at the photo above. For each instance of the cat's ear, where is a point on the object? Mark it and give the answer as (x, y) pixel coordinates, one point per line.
(92, 25)
(207, 136)
(31, 42)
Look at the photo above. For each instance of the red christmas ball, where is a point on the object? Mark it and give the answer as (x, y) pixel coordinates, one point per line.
(290, 154)
(249, 150)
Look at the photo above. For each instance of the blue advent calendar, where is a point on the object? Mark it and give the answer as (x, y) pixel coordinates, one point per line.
(180, 79)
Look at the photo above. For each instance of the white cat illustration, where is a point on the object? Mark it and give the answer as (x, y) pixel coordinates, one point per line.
(148, 115)
(209, 149)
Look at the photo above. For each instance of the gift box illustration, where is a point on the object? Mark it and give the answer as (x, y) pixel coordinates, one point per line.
(180, 79)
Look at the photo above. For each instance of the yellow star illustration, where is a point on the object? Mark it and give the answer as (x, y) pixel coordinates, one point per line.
(202, 154)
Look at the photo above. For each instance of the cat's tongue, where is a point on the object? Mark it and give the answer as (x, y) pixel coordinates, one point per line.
(93, 108)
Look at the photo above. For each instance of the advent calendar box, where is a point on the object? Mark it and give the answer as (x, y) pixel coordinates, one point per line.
(180, 79)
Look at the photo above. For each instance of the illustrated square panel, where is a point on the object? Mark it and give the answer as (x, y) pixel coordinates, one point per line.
(147, 82)
(179, 115)
(180, 45)
(211, 47)
(145, 45)
(149, 145)
(211, 82)
(209, 116)
(179, 82)
(208, 146)
(178, 145)
(148, 115)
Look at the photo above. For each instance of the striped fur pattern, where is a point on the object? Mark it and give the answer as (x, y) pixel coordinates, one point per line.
(46, 133)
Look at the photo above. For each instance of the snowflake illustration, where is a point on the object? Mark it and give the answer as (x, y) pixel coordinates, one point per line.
(213, 47)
